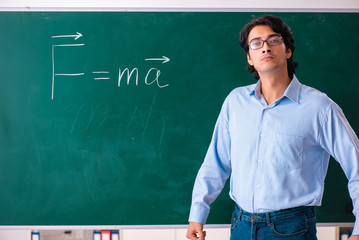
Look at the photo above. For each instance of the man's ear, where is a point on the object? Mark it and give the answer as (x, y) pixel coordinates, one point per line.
(289, 53)
(249, 60)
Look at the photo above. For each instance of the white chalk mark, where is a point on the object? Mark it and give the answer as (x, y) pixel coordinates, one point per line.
(69, 74)
(129, 75)
(158, 73)
(53, 74)
(164, 59)
(77, 36)
(69, 45)
(149, 116)
(101, 78)
(132, 117)
(104, 117)
(162, 132)
(53, 66)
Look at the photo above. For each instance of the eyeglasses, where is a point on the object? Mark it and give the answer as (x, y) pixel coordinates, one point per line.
(271, 41)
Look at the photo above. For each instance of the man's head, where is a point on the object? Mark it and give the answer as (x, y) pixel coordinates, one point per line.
(281, 29)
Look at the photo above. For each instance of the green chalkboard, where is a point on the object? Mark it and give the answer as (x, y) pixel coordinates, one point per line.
(95, 129)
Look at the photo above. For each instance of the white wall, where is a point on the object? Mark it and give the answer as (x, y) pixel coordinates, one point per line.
(173, 234)
(237, 5)
(15, 234)
(324, 233)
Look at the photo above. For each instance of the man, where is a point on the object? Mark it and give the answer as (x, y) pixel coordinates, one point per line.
(274, 138)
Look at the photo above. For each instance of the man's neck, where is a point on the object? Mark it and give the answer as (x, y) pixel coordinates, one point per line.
(274, 86)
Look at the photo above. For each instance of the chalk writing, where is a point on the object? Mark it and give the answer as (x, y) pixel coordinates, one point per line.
(105, 73)
(164, 59)
(129, 75)
(76, 36)
(152, 76)
(61, 74)
(135, 73)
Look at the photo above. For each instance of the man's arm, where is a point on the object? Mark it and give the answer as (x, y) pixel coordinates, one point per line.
(215, 169)
(340, 141)
(195, 231)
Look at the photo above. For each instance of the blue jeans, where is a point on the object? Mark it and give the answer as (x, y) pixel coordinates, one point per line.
(289, 224)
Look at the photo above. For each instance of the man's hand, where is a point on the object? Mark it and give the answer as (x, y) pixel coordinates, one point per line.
(195, 231)
(354, 237)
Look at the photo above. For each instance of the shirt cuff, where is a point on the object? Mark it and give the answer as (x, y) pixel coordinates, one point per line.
(356, 226)
(198, 214)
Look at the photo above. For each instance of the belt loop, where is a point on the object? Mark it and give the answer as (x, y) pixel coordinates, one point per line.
(268, 219)
(240, 214)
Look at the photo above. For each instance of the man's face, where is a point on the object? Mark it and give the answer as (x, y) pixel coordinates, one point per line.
(268, 59)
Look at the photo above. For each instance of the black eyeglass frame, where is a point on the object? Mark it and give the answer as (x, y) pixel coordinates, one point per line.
(263, 41)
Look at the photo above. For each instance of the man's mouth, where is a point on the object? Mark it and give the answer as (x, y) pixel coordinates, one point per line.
(267, 57)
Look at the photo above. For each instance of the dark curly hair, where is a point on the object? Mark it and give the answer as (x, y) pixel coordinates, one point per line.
(278, 26)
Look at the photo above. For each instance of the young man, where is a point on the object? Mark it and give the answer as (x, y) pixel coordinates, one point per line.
(274, 138)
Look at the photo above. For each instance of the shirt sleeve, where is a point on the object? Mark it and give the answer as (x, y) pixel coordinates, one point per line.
(340, 141)
(214, 171)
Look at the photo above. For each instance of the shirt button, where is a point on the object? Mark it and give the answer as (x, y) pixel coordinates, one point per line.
(259, 161)
(257, 186)
(261, 135)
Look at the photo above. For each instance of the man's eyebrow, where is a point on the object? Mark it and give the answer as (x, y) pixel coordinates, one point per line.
(272, 35)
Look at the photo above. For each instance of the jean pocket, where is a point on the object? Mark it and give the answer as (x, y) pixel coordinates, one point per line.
(234, 220)
(292, 226)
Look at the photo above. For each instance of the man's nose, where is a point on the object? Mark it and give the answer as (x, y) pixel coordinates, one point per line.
(266, 48)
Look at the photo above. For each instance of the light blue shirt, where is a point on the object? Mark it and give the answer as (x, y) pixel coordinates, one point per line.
(277, 155)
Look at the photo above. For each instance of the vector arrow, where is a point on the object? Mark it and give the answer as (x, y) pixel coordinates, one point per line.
(77, 36)
(164, 59)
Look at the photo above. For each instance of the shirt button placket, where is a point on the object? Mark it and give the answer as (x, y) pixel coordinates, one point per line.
(260, 140)
(259, 168)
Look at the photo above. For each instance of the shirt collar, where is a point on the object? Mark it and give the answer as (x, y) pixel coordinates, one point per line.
(256, 90)
(292, 92)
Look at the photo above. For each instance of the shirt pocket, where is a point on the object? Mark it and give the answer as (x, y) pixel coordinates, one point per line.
(288, 150)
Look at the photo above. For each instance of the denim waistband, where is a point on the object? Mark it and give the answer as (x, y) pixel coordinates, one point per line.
(309, 211)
